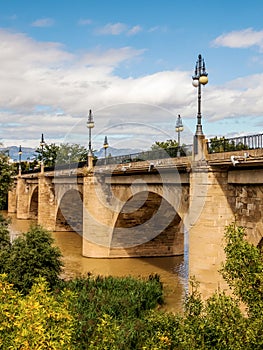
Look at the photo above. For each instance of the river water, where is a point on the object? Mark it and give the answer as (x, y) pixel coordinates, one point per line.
(172, 270)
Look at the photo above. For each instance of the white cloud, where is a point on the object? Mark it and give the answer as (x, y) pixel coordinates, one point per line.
(117, 29)
(84, 21)
(240, 39)
(46, 89)
(112, 29)
(134, 30)
(43, 22)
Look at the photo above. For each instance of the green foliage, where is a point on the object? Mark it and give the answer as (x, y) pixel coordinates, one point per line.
(38, 320)
(7, 173)
(217, 145)
(158, 330)
(105, 302)
(169, 147)
(4, 233)
(243, 269)
(32, 255)
(121, 313)
(62, 154)
(48, 154)
(5, 244)
(164, 144)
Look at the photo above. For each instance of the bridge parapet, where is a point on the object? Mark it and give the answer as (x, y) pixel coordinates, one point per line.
(241, 157)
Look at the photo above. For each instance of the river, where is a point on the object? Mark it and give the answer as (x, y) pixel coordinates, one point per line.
(172, 270)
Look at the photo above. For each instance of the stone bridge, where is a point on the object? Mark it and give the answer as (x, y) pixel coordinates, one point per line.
(151, 208)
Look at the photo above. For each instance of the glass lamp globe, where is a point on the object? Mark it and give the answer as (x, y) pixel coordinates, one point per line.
(195, 82)
(90, 124)
(203, 79)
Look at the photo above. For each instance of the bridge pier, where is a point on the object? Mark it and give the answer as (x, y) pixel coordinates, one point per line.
(209, 195)
(23, 199)
(46, 202)
(98, 221)
(12, 198)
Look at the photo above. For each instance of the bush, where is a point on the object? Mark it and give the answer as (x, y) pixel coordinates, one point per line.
(105, 302)
(34, 321)
(32, 255)
(243, 269)
(4, 242)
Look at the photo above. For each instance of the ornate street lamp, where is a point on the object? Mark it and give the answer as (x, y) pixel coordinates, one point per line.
(179, 128)
(199, 78)
(20, 156)
(90, 125)
(105, 146)
(42, 144)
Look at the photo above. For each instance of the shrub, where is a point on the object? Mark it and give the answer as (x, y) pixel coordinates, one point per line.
(4, 242)
(111, 300)
(34, 321)
(32, 255)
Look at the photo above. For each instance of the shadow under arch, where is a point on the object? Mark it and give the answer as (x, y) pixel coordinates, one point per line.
(148, 225)
(33, 206)
(70, 212)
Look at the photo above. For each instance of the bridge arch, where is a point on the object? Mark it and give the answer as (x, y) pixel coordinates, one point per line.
(69, 216)
(147, 225)
(33, 205)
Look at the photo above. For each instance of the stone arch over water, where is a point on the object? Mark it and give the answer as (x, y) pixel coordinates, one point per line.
(33, 205)
(69, 215)
(148, 225)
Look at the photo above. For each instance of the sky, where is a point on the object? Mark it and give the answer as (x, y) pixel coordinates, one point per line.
(131, 63)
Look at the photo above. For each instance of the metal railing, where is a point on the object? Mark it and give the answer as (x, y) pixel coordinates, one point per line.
(66, 166)
(171, 152)
(222, 144)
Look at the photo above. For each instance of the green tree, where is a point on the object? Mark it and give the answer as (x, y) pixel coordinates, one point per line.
(7, 173)
(169, 147)
(243, 270)
(71, 153)
(48, 154)
(63, 154)
(164, 144)
(5, 244)
(32, 255)
(217, 145)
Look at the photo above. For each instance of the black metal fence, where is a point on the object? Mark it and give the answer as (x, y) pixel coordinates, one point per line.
(68, 166)
(222, 144)
(171, 152)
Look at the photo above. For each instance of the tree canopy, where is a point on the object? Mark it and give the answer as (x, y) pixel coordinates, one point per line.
(53, 154)
(7, 173)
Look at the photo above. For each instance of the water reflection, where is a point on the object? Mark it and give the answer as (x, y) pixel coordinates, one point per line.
(171, 269)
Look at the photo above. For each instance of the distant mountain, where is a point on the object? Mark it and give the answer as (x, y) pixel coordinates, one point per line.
(29, 153)
(114, 152)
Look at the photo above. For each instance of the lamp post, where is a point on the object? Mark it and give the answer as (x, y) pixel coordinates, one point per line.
(20, 156)
(105, 146)
(179, 128)
(199, 78)
(69, 155)
(90, 125)
(42, 144)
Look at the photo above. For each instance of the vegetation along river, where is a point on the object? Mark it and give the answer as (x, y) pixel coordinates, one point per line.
(171, 270)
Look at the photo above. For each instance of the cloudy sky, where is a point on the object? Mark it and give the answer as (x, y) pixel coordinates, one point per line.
(131, 62)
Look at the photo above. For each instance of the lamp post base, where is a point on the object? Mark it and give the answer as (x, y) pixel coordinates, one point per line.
(198, 153)
(90, 160)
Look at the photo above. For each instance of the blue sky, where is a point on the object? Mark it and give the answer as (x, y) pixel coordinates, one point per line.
(131, 62)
